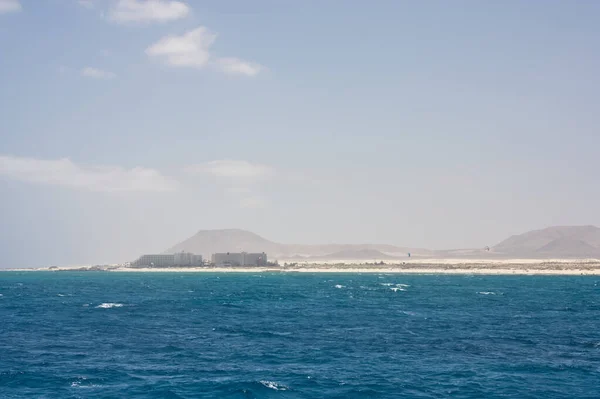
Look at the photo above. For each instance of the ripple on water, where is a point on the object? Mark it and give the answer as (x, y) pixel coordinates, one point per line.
(280, 329)
(81, 382)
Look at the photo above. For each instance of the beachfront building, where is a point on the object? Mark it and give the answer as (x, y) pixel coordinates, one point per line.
(184, 259)
(239, 259)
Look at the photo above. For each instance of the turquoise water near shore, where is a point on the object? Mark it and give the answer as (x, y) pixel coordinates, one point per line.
(202, 335)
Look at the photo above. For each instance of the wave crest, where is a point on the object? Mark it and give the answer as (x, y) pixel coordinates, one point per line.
(109, 305)
(274, 385)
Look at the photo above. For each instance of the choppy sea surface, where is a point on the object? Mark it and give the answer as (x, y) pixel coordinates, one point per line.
(197, 335)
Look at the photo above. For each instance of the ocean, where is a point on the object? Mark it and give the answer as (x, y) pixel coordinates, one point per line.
(270, 335)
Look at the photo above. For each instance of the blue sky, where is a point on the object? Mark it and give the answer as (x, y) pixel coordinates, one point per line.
(127, 125)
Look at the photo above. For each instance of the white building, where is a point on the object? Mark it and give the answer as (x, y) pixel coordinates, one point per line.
(239, 259)
(168, 260)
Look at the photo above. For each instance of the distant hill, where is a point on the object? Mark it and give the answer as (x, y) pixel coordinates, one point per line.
(552, 242)
(207, 242)
(558, 241)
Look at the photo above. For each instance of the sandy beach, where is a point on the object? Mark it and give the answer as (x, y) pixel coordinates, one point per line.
(482, 271)
(420, 266)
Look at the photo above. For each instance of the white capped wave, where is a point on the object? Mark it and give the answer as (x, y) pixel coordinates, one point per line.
(487, 293)
(340, 286)
(77, 384)
(387, 284)
(395, 289)
(402, 285)
(109, 305)
(61, 295)
(274, 385)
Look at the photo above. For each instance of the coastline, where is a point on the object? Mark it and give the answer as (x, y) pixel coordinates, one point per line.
(480, 271)
(589, 267)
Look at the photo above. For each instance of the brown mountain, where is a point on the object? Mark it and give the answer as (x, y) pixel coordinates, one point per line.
(207, 242)
(551, 242)
(558, 241)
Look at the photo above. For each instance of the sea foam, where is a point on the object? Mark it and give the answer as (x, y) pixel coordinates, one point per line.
(274, 385)
(109, 305)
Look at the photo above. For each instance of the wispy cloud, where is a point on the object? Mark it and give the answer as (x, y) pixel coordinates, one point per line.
(135, 11)
(233, 170)
(238, 179)
(64, 172)
(241, 182)
(193, 49)
(7, 6)
(236, 66)
(96, 73)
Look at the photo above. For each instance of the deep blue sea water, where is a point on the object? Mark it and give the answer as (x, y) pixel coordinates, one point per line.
(186, 335)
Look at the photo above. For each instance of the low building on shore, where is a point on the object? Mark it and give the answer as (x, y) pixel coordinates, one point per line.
(180, 259)
(239, 259)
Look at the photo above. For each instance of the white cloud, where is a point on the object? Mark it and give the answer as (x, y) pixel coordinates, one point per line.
(96, 73)
(63, 172)
(7, 6)
(128, 11)
(234, 66)
(233, 169)
(192, 49)
(188, 50)
(238, 179)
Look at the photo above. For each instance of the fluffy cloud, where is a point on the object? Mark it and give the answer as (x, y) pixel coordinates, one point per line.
(192, 49)
(188, 50)
(7, 6)
(131, 11)
(96, 73)
(63, 172)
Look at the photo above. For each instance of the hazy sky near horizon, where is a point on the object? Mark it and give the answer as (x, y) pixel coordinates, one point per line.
(127, 125)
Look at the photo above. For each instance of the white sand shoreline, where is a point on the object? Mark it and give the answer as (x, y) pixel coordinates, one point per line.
(479, 271)
(421, 266)
(467, 270)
